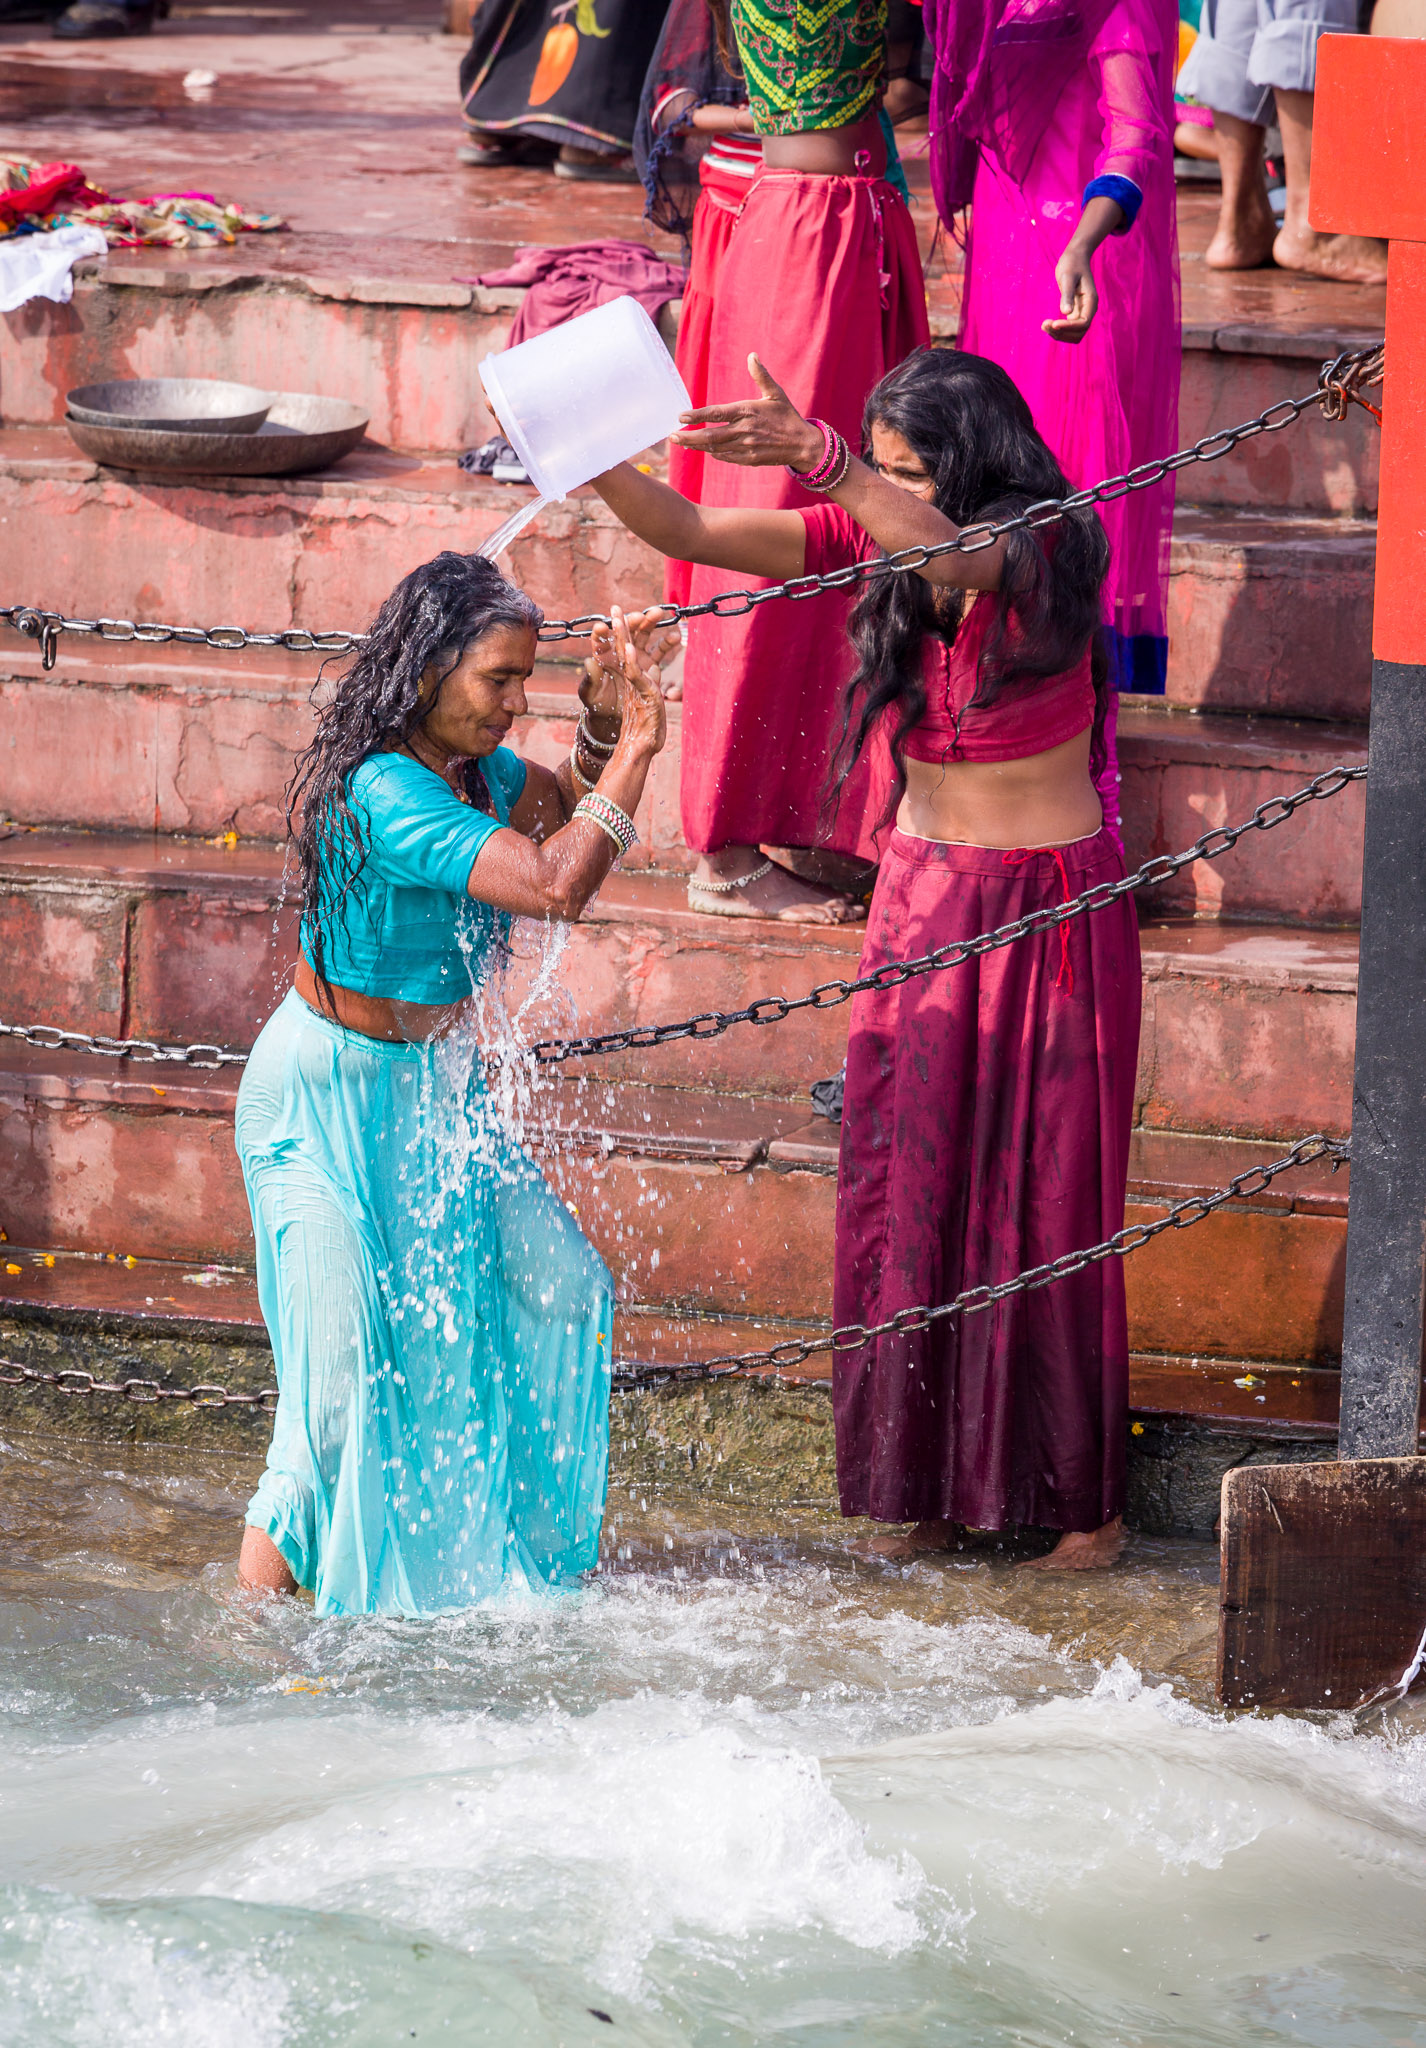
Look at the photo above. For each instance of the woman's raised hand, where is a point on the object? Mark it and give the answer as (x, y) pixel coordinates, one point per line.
(657, 638)
(757, 431)
(628, 653)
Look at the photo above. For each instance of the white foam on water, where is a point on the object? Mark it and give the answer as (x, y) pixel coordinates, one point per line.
(726, 1809)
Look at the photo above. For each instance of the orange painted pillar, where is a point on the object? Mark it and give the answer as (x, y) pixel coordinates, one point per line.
(1369, 178)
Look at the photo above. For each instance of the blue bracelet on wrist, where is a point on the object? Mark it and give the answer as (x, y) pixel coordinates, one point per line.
(1123, 191)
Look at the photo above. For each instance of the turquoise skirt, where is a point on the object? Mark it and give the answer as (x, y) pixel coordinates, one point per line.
(441, 1327)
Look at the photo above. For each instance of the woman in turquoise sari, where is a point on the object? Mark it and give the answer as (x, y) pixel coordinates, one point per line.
(441, 1328)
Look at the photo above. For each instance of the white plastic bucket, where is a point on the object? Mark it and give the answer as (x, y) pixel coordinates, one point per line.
(578, 399)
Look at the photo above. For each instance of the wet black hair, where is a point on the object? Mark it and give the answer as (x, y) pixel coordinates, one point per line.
(429, 621)
(963, 417)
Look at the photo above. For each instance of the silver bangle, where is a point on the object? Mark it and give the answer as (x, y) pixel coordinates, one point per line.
(604, 748)
(576, 771)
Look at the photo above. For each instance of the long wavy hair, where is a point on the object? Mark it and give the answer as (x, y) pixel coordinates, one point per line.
(429, 621)
(967, 423)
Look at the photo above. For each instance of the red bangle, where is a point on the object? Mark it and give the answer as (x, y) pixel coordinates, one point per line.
(831, 467)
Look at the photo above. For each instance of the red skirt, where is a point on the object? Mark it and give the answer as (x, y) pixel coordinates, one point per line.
(986, 1130)
(721, 194)
(822, 279)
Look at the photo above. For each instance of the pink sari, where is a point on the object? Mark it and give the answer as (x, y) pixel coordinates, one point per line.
(1089, 93)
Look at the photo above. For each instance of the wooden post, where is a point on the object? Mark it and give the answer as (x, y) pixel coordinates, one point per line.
(1324, 1566)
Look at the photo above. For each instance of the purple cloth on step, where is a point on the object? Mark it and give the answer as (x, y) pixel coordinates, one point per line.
(563, 283)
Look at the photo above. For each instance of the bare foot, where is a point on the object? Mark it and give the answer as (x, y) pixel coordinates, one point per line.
(897, 1544)
(774, 893)
(1244, 240)
(1088, 1550)
(262, 1568)
(1350, 259)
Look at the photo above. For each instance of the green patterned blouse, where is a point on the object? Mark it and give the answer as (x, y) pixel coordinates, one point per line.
(809, 63)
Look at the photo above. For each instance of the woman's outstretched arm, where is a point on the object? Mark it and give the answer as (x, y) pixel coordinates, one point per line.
(769, 429)
(769, 544)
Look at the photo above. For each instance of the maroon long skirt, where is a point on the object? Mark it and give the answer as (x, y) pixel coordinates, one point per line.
(986, 1130)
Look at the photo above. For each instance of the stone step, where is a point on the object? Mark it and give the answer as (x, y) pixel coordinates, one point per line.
(1185, 772)
(183, 1326)
(1270, 611)
(263, 316)
(1248, 1028)
(696, 1202)
(1267, 612)
(203, 744)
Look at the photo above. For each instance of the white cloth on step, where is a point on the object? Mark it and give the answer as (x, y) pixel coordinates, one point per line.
(40, 266)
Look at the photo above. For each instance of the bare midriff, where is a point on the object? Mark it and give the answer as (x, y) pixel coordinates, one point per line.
(1043, 800)
(385, 1017)
(829, 152)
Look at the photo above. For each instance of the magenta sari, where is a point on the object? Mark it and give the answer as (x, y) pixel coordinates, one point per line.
(1033, 99)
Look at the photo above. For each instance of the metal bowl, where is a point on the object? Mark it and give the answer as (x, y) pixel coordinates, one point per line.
(193, 405)
(301, 432)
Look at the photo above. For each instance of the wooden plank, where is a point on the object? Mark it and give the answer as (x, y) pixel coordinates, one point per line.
(1323, 1583)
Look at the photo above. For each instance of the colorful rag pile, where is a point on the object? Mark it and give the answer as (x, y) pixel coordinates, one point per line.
(35, 198)
(576, 279)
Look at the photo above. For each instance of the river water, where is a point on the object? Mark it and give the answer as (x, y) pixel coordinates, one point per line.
(745, 1788)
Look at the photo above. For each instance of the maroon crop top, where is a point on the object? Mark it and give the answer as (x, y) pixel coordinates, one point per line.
(1024, 722)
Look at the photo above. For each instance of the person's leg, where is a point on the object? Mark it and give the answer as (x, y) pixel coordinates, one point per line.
(261, 1566)
(1356, 259)
(1246, 226)
(1215, 74)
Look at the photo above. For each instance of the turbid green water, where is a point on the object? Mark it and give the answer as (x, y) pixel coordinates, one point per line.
(744, 1789)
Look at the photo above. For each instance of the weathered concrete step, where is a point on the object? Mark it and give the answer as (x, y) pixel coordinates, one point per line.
(181, 740)
(157, 1319)
(373, 339)
(1236, 369)
(370, 340)
(204, 744)
(1268, 612)
(178, 1303)
(695, 1202)
(269, 552)
(1248, 1028)
(1187, 771)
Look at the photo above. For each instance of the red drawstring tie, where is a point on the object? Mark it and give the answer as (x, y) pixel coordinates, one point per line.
(1014, 859)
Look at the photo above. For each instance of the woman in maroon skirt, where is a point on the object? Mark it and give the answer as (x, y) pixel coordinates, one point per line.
(988, 1106)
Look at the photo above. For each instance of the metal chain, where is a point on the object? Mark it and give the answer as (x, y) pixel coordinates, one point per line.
(70, 1380)
(974, 1300)
(828, 995)
(1339, 383)
(849, 1337)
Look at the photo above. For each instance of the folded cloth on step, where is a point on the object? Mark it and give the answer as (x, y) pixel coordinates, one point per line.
(494, 458)
(41, 266)
(36, 198)
(563, 283)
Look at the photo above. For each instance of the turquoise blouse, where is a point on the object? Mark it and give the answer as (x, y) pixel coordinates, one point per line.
(406, 928)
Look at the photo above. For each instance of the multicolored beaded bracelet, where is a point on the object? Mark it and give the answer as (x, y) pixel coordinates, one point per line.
(609, 817)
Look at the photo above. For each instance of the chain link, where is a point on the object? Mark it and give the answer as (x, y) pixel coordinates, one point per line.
(70, 1380)
(974, 1300)
(1339, 384)
(828, 995)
